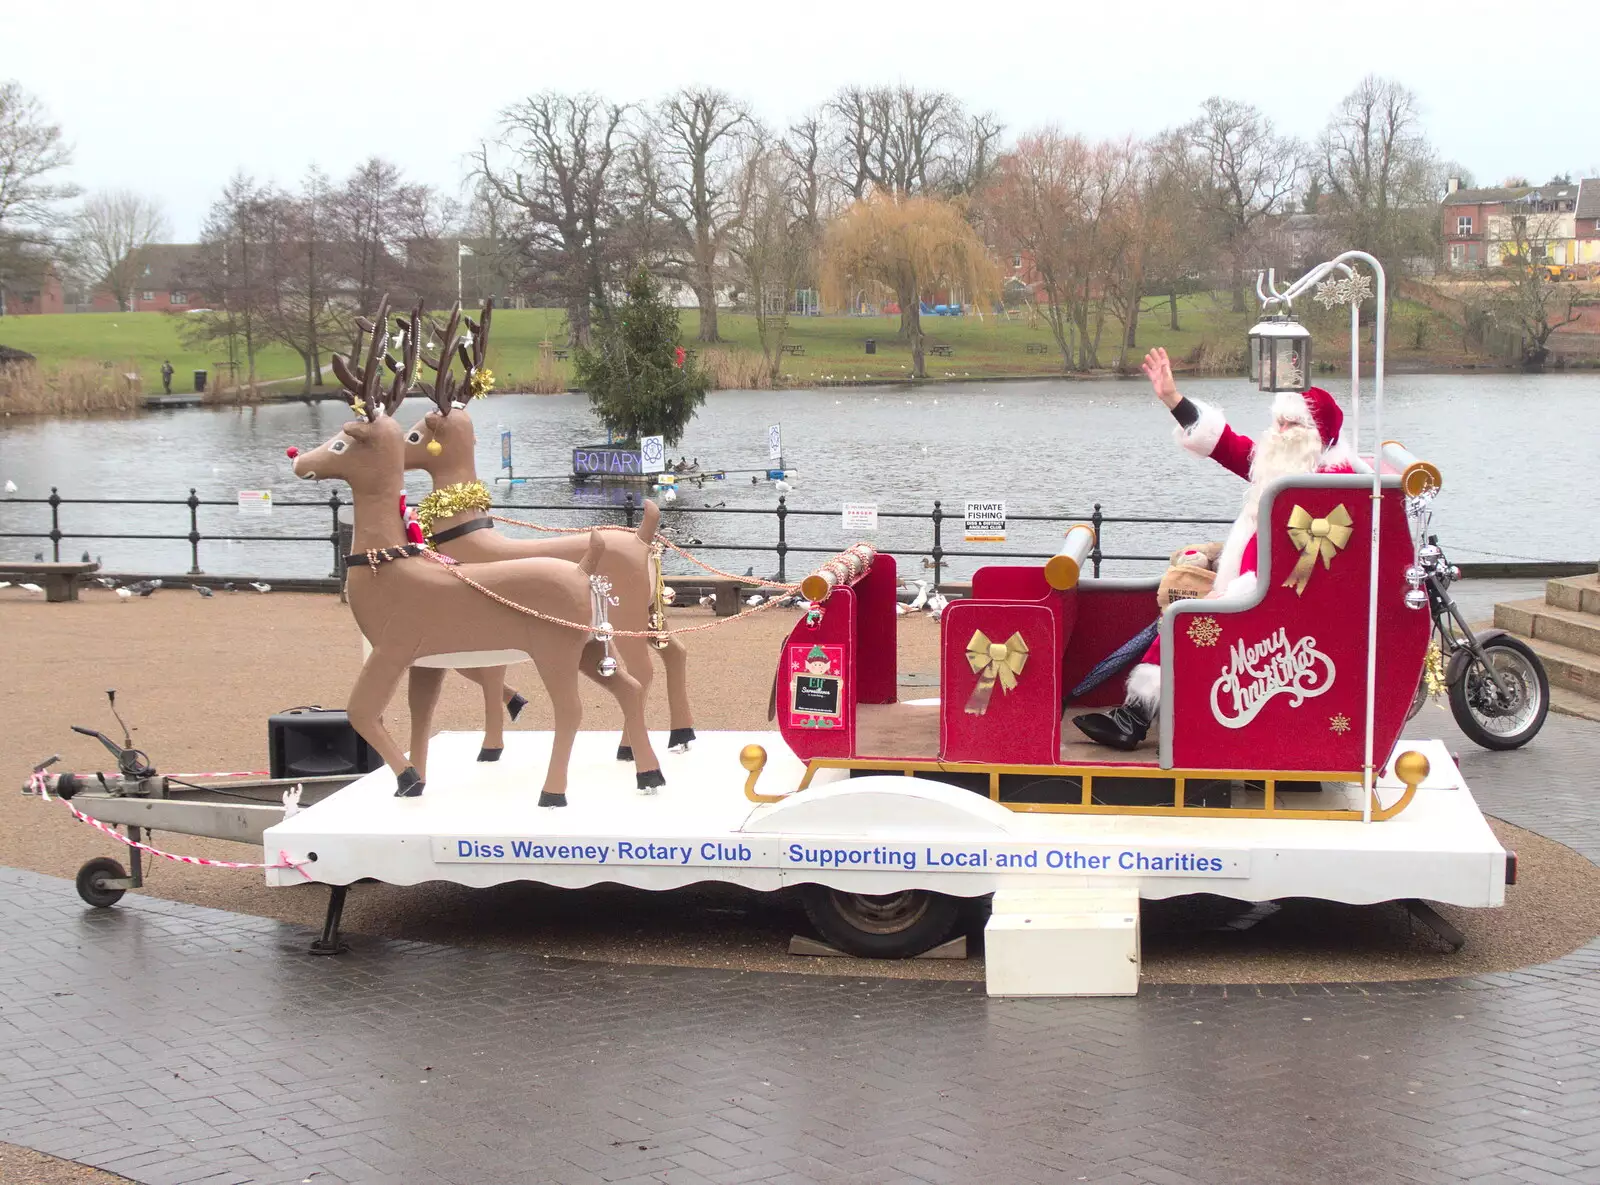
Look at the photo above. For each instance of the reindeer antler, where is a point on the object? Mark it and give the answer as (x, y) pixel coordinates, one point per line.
(405, 371)
(444, 387)
(480, 353)
(363, 384)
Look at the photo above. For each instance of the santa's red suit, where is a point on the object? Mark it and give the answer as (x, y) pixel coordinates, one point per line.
(1306, 436)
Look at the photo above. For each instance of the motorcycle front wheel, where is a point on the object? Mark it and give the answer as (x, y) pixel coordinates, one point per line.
(1498, 721)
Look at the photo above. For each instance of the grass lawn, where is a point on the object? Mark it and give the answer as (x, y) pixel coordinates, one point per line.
(833, 346)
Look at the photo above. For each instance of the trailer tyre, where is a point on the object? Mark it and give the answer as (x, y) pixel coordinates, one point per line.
(888, 926)
(92, 879)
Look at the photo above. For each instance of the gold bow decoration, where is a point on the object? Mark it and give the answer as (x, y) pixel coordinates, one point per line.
(993, 661)
(1325, 537)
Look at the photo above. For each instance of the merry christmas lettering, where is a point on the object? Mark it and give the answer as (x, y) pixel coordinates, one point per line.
(1272, 667)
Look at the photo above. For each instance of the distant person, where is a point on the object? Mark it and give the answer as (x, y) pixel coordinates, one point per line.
(166, 376)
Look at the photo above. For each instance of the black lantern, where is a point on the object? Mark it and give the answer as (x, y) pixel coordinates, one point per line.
(1280, 354)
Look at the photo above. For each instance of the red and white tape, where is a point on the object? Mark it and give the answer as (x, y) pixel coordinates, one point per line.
(41, 788)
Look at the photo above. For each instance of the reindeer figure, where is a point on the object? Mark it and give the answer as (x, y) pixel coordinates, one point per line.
(418, 615)
(443, 444)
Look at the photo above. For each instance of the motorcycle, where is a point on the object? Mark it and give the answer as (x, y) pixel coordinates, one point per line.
(1497, 687)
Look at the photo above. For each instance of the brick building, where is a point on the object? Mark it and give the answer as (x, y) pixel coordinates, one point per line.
(162, 283)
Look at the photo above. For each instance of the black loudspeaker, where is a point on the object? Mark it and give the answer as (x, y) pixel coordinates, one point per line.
(316, 743)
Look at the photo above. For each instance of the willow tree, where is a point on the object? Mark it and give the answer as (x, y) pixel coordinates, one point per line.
(908, 246)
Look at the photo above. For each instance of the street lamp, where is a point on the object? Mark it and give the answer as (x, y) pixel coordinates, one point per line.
(1280, 354)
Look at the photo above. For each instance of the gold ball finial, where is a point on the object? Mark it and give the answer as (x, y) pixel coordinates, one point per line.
(1411, 767)
(434, 448)
(753, 758)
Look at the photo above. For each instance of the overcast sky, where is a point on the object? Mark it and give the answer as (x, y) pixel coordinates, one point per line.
(172, 98)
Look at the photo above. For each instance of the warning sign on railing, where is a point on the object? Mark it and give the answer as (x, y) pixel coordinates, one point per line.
(860, 516)
(255, 501)
(986, 522)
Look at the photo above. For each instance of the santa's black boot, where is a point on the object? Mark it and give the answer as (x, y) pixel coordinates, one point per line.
(1121, 728)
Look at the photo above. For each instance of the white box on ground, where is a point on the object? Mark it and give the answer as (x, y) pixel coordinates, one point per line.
(1063, 942)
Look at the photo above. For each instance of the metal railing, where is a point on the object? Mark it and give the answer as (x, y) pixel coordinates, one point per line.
(62, 529)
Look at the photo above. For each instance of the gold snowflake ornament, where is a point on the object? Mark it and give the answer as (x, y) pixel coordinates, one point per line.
(1204, 631)
(1339, 724)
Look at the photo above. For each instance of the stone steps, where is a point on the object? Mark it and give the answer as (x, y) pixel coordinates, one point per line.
(1563, 629)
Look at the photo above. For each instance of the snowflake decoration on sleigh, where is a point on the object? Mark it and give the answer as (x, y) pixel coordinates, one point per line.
(1204, 631)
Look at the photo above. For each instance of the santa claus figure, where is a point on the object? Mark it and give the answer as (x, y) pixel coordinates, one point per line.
(1305, 436)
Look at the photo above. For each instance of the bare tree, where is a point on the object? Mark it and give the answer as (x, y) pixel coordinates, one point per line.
(1526, 304)
(109, 235)
(1245, 173)
(376, 220)
(904, 140)
(1064, 204)
(562, 180)
(704, 138)
(775, 246)
(31, 150)
(233, 273)
(1382, 179)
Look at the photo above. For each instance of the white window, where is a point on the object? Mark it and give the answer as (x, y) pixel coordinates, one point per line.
(1458, 254)
(1016, 260)
(180, 298)
(147, 294)
(1464, 225)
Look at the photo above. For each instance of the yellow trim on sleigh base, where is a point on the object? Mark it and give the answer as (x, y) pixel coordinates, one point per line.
(1410, 767)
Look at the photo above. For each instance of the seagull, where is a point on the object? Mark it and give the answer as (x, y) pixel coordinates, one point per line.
(124, 595)
(142, 589)
(750, 571)
(936, 605)
(782, 486)
(754, 599)
(32, 588)
(228, 587)
(900, 610)
(670, 494)
(202, 590)
(105, 582)
(921, 598)
(261, 586)
(11, 486)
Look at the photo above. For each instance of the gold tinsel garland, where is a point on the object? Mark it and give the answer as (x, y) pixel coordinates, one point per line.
(451, 501)
(481, 383)
(1433, 670)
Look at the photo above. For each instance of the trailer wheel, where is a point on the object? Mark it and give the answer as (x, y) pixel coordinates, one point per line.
(887, 926)
(92, 879)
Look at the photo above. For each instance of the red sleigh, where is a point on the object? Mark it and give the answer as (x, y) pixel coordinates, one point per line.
(1259, 689)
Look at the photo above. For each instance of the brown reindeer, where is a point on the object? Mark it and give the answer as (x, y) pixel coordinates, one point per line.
(443, 445)
(417, 612)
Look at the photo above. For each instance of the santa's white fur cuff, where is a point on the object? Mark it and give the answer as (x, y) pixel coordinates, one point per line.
(1201, 437)
(1144, 687)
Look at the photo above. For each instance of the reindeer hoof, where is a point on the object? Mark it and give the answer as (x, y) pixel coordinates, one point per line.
(548, 799)
(679, 739)
(515, 704)
(488, 754)
(409, 784)
(649, 779)
(624, 752)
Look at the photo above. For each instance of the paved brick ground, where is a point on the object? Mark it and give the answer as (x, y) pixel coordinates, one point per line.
(175, 1044)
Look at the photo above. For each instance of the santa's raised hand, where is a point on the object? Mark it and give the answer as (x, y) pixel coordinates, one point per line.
(1158, 369)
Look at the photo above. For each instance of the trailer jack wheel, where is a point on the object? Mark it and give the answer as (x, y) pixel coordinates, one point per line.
(887, 926)
(97, 882)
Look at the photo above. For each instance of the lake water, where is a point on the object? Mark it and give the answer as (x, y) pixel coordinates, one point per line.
(1519, 456)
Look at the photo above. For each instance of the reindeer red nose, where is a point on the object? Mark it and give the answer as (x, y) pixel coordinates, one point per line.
(291, 452)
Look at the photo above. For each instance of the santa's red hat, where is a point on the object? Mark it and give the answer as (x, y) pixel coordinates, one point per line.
(1314, 408)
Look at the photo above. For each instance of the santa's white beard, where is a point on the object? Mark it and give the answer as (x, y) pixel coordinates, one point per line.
(1284, 452)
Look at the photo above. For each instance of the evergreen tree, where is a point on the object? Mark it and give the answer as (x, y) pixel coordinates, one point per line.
(638, 380)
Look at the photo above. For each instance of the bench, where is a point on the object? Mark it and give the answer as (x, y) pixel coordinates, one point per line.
(1038, 348)
(942, 351)
(726, 592)
(60, 581)
(561, 355)
(796, 350)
